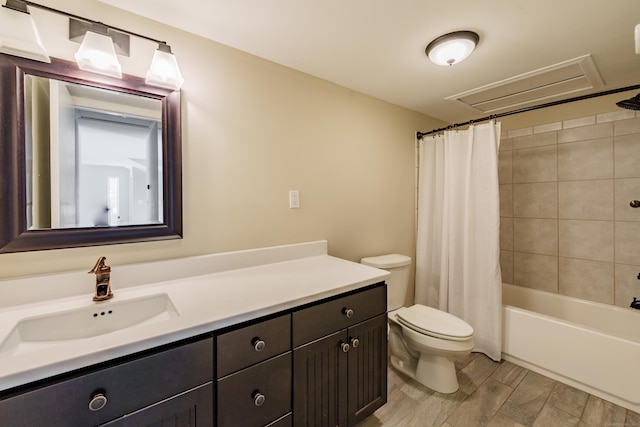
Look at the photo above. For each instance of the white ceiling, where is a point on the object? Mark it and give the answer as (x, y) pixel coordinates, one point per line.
(377, 46)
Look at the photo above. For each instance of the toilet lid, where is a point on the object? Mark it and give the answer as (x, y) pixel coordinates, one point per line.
(435, 323)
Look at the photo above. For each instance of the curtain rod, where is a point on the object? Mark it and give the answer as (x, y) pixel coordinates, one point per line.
(420, 135)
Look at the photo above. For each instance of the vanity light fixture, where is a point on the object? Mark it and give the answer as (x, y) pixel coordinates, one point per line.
(19, 37)
(452, 48)
(18, 33)
(164, 70)
(97, 54)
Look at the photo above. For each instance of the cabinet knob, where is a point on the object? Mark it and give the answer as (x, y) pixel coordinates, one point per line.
(355, 342)
(344, 347)
(98, 401)
(347, 312)
(258, 398)
(258, 344)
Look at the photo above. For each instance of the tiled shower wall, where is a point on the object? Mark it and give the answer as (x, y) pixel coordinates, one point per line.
(566, 224)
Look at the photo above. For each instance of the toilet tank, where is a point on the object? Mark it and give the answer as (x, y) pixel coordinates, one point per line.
(398, 283)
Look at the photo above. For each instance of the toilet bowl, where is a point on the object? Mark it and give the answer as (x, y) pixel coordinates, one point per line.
(424, 342)
(433, 340)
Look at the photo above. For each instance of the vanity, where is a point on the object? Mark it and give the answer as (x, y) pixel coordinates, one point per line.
(283, 336)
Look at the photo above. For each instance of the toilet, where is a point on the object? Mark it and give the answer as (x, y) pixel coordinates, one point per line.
(424, 342)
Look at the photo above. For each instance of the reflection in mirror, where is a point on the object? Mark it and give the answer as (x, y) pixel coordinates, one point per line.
(86, 159)
(93, 156)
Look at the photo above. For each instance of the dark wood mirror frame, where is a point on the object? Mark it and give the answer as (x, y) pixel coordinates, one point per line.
(14, 235)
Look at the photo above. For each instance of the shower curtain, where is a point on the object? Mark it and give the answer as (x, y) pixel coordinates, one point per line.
(458, 239)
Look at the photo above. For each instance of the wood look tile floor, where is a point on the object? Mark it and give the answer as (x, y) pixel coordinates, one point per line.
(496, 395)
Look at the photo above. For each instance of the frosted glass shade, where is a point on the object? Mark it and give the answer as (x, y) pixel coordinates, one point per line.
(452, 48)
(637, 38)
(164, 70)
(19, 35)
(97, 54)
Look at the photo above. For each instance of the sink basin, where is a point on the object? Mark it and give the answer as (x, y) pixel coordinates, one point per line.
(98, 319)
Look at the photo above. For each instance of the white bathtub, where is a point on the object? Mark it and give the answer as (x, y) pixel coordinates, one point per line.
(591, 346)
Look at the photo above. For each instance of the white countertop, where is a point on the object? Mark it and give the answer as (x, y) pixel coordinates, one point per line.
(205, 303)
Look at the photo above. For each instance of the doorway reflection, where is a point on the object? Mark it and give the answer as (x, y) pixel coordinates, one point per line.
(93, 156)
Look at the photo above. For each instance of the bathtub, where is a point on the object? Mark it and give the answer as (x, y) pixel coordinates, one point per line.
(591, 346)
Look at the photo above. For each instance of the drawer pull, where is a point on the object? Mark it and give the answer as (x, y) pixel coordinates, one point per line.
(258, 344)
(98, 401)
(258, 398)
(344, 347)
(355, 342)
(347, 312)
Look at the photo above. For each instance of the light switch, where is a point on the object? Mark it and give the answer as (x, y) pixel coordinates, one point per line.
(294, 199)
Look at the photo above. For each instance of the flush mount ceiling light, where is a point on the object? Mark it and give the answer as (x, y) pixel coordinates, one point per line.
(452, 48)
(18, 33)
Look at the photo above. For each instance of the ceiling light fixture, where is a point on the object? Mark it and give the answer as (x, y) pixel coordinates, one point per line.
(18, 33)
(452, 48)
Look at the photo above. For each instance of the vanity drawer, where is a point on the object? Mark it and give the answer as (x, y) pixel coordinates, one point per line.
(191, 408)
(256, 396)
(127, 387)
(325, 318)
(244, 347)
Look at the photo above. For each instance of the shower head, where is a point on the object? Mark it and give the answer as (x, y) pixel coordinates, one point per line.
(631, 103)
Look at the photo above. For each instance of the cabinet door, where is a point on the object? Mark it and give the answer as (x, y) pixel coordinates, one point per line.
(367, 368)
(320, 382)
(190, 409)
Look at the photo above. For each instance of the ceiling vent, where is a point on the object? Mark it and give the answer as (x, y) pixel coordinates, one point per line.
(534, 88)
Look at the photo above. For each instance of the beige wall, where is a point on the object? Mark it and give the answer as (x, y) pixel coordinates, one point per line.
(252, 131)
(566, 180)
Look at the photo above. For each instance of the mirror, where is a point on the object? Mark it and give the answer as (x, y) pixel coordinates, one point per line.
(93, 156)
(86, 159)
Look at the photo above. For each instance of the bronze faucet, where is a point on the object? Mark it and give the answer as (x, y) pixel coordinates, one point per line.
(103, 288)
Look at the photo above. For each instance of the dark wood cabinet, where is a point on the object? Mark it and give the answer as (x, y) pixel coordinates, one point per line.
(248, 345)
(326, 317)
(367, 369)
(254, 374)
(341, 377)
(320, 382)
(193, 408)
(256, 396)
(321, 364)
(109, 392)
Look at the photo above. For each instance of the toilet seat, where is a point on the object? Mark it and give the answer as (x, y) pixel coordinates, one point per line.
(433, 322)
